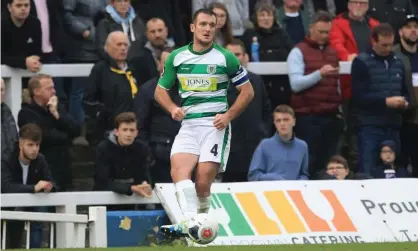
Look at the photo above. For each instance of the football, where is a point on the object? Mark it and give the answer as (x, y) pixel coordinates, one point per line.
(203, 229)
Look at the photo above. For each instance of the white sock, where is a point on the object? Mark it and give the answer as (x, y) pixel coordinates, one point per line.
(187, 198)
(204, 205)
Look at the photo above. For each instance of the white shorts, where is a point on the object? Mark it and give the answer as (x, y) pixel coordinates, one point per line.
(210, 144)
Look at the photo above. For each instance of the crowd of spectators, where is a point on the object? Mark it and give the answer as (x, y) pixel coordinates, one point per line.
(310, 124)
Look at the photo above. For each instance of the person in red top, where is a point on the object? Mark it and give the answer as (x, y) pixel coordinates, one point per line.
(349, 36)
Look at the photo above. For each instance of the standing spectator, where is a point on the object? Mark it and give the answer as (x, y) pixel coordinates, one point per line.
(57, 126)
(313, 72)
(156, 126)
(111, 88)
(251, 126)
(283, 156)
(121, 161)
(407, 51)
(350, 35)
(387, 161)
(391, 11)
(238, 12)
(167, 10)
(380, 96)
(156, 32)
(8, 126)
(223, 22)
(120, 16)
(294, 20)
(21, 37)
(80, 20)
(274, 46)
(26, 171)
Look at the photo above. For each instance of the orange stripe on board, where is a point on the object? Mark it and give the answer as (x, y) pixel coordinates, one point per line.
(262, 224)
(315, 223)
(285, 212)
(341, 221)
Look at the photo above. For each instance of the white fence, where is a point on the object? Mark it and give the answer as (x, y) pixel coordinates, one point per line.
(66, 203)
(13, 77)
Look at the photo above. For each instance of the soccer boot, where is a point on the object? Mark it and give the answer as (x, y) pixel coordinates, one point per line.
(178, 230)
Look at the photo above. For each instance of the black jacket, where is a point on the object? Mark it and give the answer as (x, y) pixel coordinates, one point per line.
(107, 94)
(19, 43)
(8, 131)
(114, 162)
(57, 136)
(11, 173)
(144, 66)
(155, 123)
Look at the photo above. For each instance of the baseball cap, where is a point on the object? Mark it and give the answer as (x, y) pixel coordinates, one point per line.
(409, 18)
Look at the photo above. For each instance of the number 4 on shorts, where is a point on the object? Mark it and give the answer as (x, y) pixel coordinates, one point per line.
(214, 150)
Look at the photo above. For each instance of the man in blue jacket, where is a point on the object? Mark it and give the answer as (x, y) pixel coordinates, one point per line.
(379, 96)
(283, 156)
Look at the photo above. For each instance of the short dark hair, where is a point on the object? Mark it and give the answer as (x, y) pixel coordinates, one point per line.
(125, 117)
(339, 160)
(285, 109)
(321, 16)
(153, 20)
(35, 82)
(31, 132)
(237, 41)
(384, 30)
(206, 11)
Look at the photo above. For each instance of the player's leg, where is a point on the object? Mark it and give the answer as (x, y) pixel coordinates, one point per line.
(184, 157)
(213, 158)
(205, 176)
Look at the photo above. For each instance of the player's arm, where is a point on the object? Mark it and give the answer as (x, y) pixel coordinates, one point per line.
(165, 83)
(239, 79)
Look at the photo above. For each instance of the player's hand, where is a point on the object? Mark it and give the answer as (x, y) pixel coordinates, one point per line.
(178, 114)
(221, 121)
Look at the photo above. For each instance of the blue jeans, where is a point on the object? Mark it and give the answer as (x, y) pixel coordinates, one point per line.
(76, 98)
(36, 229)
(368, 143)
(322, 134)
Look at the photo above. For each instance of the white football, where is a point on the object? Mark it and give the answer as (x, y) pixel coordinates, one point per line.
(203, 229)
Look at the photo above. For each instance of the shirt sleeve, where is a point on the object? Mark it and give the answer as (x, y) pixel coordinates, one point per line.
(168, 76)
(236, 73)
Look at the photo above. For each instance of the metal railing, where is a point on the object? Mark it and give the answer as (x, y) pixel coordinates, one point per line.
(13, 77)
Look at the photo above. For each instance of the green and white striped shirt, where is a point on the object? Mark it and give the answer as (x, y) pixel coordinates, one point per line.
(204, 79)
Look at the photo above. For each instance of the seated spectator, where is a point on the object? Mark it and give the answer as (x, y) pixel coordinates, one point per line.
(283, 156)
(156, 32)
(122, 161)
(313, 72)
(120, 16)
(26, 171)
(58, 127)
(111, 88)
(387, 161)
(337, 168)
(156, 126)
(380, 96)
(21, 37)
(8, 125)
(223, 24)
(252, 125)
(274, 46)
(294, 20)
